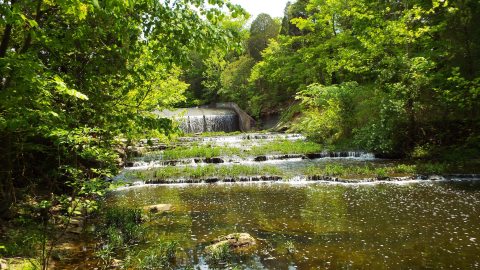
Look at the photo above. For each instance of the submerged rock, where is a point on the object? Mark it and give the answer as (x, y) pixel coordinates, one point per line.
(158, 208)
(234, 241)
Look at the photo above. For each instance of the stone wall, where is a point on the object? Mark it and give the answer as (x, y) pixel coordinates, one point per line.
(247, 123)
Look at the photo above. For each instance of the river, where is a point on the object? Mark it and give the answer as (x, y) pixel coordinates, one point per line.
(313, 225)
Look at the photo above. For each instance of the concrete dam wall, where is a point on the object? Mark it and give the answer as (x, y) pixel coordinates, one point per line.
(227, 117)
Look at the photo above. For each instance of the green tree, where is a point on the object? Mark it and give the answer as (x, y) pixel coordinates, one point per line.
(263, 29)
(234, 82)
(204, 74)
(296, 10)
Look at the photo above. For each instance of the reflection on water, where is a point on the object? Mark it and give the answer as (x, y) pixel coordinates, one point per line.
(385, 226)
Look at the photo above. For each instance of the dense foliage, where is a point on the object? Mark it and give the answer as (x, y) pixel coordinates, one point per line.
(406, 64)
(394, 77)
(78, 76)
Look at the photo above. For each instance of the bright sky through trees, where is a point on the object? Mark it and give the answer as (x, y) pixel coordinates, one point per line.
(272, 7)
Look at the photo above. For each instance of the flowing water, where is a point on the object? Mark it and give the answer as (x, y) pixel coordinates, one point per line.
(305, 225)
(197, 120)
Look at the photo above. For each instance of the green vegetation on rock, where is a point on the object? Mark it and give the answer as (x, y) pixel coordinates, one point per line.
(203, 172)
(200, 151)
(286, 147)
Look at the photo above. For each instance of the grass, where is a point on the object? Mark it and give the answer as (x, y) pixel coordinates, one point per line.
(205, 151)
(219, 253)
(23, 240)
(370, 171)
(22, 264)
(171, 174)
(122, 235)
(366, 171)
(208, 171)
(157, 256)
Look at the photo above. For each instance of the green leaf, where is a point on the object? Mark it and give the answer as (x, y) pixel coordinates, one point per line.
(95, 4)
(62, 88)
(53, 113)
(32, 23)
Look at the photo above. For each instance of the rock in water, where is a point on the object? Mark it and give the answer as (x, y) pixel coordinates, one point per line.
(214, 160)
(158, 208)
(260, 158)
(235, 241)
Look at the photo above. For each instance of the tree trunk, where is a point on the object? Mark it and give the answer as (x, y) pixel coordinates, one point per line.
(5, 40)
(28, 38)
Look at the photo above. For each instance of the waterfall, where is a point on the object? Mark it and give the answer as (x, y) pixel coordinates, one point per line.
(198, 120)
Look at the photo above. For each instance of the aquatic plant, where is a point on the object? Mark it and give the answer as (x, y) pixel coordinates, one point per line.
(290, 246)
(369, 171)
(105, 254)
(405, 168)
(286, 147)
(158, 256)
(121, 217)
(121, 230)
(219, 253)
(200, 151)
(200, 172)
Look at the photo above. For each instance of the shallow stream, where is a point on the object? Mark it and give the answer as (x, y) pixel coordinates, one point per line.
(333, 226)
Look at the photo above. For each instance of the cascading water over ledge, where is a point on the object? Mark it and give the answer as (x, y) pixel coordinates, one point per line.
(198, 120)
